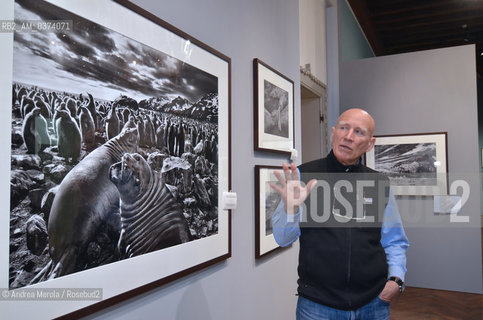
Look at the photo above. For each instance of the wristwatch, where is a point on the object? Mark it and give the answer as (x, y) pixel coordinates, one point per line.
(399, 282)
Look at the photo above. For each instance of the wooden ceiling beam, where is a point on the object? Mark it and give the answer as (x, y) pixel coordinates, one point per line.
(405, 9)
(415, 37)
(406, 6)
(413, 25)
(427, 43)
(364, 18)
(419, 46)
(469, 20)
(399, 26)
(455, 29)
(441, 13)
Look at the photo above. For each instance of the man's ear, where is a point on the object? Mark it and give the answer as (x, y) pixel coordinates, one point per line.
(371, 144)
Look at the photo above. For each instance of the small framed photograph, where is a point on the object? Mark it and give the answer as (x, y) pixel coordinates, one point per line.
(274, 109)
(266, 201)
(416, 164)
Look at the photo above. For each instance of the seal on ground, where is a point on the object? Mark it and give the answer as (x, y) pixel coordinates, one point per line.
(151, 217)
(84, 198)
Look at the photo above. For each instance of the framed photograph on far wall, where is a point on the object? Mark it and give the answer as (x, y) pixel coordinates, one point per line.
(266, 201)
(416, 164)
(274, 109)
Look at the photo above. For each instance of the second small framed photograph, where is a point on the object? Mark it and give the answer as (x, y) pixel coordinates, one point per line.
(274, 109)
(266, 201)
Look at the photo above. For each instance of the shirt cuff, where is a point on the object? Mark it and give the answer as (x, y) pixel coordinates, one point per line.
(294, 218)
(396, 272)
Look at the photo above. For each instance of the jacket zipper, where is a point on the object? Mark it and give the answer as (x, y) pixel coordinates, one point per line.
(349, 235)
(349, 245)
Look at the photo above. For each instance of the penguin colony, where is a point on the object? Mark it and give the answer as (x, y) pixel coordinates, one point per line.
(55, 130)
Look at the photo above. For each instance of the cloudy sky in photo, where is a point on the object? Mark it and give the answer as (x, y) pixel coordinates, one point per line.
(94, 59)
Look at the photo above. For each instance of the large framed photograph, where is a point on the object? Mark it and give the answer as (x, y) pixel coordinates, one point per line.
(266, 201)
(416, 164)
(117, 149)
(274, 109)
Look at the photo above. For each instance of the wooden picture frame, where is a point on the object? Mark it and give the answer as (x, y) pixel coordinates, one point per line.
(125, 58)
(273, 110)
(416, 164)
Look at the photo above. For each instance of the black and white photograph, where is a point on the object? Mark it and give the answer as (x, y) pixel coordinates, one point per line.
(273, 109)
(276, 110)
(272, 200)
(114, 149)
(266, 202)
(417, 161)
(407, 164)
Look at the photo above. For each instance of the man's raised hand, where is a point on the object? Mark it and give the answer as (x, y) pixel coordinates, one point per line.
(292, 192)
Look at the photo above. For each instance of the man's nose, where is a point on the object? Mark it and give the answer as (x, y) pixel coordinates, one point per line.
(349, 135)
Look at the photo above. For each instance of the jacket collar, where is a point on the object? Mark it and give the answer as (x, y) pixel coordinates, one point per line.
(336, 166)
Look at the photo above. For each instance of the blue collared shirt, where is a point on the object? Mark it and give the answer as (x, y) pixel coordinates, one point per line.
(286, 230)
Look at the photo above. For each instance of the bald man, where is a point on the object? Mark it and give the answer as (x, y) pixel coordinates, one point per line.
(352, 258)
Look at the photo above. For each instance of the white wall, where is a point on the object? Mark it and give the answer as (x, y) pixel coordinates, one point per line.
(241, 287)
(429, 91)
(312, 37)
(333, 61)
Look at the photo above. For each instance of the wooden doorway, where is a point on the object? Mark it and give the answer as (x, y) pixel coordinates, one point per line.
(315, 138)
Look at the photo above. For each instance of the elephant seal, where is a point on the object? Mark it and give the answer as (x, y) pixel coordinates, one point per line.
(150, 216)
(83, 200)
